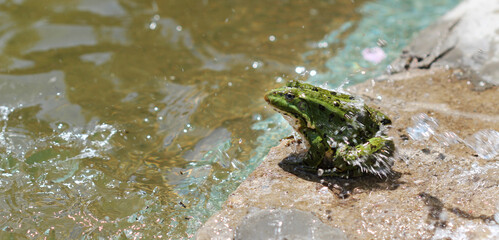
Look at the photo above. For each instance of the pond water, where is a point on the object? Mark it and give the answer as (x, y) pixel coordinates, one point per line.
(136, 119)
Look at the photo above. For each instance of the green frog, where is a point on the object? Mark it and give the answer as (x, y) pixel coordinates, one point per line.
(344, 137)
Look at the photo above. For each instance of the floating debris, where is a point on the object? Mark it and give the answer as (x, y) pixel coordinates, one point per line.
(374, 55)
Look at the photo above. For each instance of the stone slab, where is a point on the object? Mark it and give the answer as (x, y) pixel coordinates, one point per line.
(439, 189)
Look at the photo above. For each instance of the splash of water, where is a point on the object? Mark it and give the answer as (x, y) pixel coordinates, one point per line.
(484, 142)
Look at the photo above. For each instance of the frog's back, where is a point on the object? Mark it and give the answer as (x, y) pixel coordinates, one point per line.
(320, 93)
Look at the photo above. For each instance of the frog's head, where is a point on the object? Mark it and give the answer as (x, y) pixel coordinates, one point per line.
(291, 102)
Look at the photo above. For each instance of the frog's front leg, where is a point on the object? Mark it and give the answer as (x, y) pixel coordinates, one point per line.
(375, 154)
(316, 151)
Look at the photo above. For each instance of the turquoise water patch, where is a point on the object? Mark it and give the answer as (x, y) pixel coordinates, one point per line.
(388, 23)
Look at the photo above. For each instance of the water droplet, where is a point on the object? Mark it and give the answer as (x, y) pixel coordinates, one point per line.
(485, 143)
(322, 44)
(313, 73)
(179, 28)
(152, 25)
(279, 79)
(300, 69)
(424, 127)
(257, 117)
(256, 64)
(272, 38)
(320, 172)
(229, 84)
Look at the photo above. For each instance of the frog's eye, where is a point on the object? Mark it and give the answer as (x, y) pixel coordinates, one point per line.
(289, 96)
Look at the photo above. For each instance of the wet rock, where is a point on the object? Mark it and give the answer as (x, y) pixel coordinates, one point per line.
(285, 224)
(466, 37)
(427, 196)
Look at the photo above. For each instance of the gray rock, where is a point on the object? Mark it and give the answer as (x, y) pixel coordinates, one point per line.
(285, 224)
(466, 37)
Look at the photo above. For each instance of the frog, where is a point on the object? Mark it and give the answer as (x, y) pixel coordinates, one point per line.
(343, 136)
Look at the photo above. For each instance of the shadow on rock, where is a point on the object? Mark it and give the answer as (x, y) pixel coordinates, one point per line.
(343, 187)
(436, 207)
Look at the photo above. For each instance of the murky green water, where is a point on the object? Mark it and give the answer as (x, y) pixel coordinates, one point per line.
(128, 118)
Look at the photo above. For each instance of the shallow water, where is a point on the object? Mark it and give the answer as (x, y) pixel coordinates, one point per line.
(137, 118)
